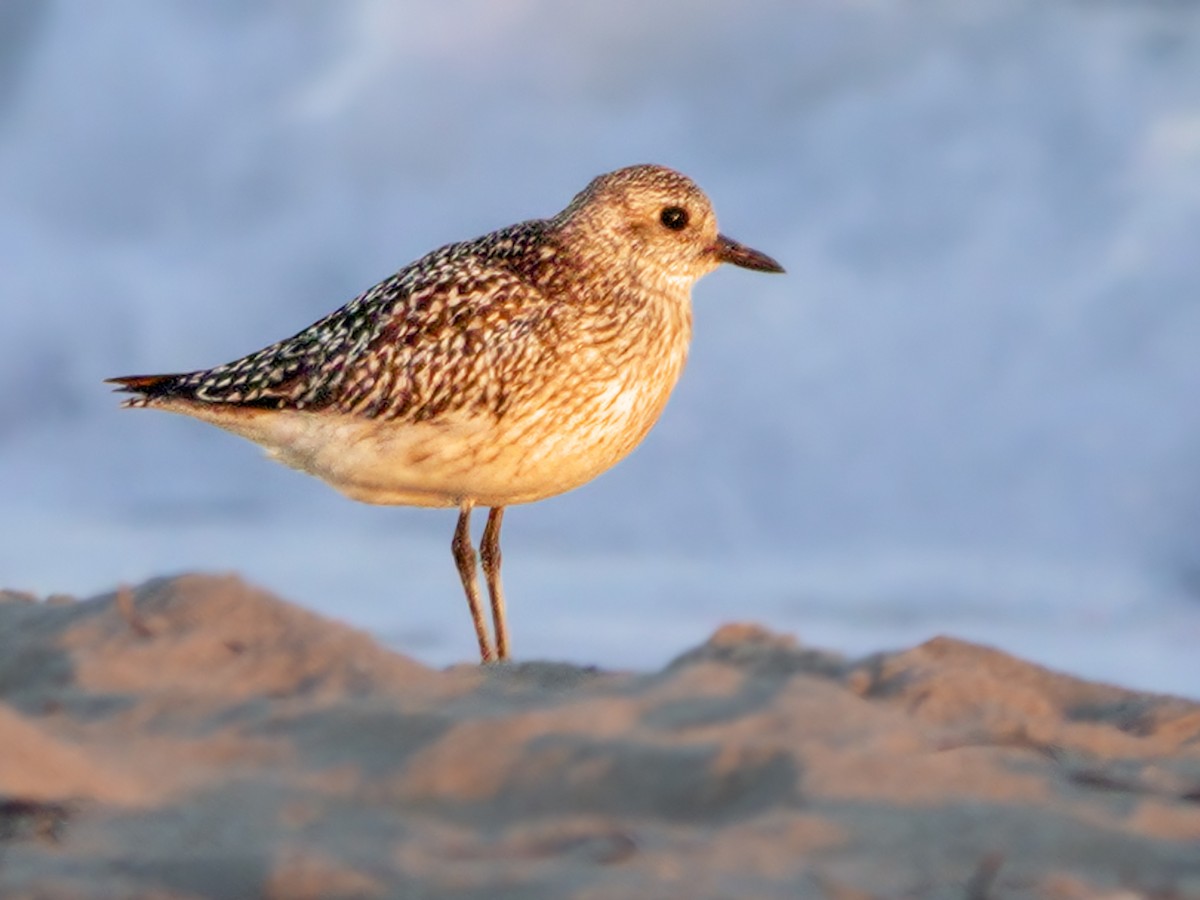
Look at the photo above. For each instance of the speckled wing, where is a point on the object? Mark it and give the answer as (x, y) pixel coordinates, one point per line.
(446, 333)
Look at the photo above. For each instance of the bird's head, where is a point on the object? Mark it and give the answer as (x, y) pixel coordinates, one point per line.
(654, 224)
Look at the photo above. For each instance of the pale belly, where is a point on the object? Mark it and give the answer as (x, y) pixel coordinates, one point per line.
(545, 448)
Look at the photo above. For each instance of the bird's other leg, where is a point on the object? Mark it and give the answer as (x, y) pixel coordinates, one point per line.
(489, 555)
(464, 558)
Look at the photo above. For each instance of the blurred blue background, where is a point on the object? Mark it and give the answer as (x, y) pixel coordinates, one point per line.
(970, 407)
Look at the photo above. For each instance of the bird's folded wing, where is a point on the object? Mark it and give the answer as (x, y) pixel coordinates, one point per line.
(433, 338)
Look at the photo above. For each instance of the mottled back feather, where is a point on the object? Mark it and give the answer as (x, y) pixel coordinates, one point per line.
(469, 311)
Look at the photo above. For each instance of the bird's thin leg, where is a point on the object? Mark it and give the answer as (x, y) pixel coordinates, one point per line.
(489, 555)
(464, 557)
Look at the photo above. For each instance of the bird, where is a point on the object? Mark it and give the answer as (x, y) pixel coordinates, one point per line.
(488, 373)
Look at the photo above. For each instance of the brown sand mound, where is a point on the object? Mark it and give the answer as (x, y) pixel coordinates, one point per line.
(199, 738)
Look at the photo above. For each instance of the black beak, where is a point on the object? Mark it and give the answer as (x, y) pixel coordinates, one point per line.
(730, 251)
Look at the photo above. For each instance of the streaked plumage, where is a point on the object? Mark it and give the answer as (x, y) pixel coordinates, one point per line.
(490, 372)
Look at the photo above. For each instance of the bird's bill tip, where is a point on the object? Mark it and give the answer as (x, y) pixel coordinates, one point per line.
(730, 251)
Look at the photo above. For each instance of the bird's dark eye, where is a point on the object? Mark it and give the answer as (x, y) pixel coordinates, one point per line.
(674, 217)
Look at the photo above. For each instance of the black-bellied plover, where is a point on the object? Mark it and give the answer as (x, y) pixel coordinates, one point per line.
(492, 372)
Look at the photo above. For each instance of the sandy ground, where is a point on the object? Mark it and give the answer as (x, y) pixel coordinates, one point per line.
(205, 739)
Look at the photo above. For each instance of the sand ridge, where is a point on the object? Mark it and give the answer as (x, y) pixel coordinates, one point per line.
(197, 737)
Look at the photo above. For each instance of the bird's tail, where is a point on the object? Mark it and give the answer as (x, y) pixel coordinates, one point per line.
(148, 388)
